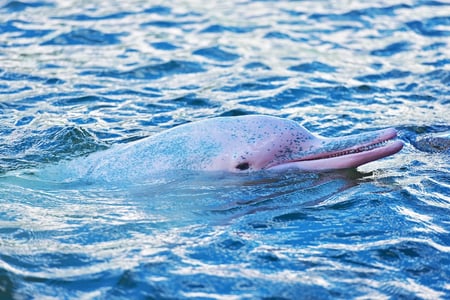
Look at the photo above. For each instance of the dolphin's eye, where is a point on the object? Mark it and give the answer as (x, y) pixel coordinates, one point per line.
(243, 166)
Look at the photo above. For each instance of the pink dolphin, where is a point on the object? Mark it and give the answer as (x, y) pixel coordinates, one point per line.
(236, 144)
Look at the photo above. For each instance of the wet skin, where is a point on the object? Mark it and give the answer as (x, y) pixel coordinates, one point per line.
(236, 144)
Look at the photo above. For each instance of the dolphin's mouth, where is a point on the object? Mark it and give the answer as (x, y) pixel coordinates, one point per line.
(365, 148)
(347, 152)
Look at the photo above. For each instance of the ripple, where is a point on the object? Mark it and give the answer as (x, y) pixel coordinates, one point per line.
(313, 67)
(14, 76)
(84, 36)
(218, 28)
(18, 6)
(158, 10)
(433, 144)
(257, 65)
(440, 75)
(49, 145)
(393, 74)
(278, 35)
(156, 71)
(163, 24)
(249, 87)
(85, 17)
(83, 100)
(392, 49)
(215, 53)
(164, 46)
(427, 27)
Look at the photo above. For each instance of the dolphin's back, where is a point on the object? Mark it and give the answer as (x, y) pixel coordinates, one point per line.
(174, 149)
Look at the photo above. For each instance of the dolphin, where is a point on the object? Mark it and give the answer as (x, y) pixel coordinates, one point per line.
(233, 144)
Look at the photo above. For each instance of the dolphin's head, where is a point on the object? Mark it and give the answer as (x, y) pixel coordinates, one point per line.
(252, 143)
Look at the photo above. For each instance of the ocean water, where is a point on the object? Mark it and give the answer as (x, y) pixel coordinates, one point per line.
(77, 77)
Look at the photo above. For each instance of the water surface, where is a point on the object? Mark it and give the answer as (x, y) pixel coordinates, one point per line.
(77, 77)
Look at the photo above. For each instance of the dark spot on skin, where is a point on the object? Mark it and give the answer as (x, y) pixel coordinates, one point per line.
(243, 166)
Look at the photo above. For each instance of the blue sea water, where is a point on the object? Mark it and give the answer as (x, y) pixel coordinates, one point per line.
(79, 76)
